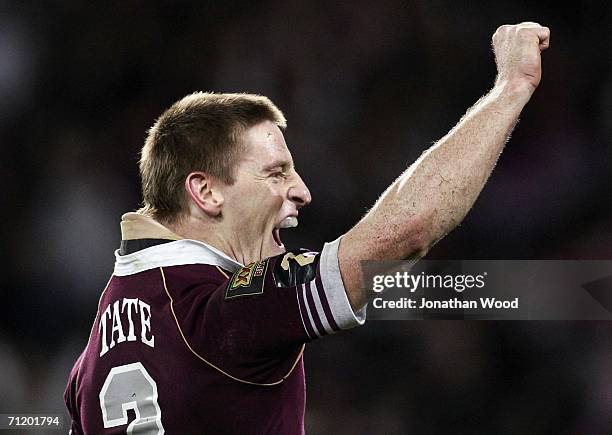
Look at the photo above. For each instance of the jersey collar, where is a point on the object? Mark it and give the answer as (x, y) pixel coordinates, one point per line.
(177, 251)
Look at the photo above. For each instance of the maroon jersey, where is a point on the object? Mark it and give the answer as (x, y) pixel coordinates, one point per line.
(187, 340)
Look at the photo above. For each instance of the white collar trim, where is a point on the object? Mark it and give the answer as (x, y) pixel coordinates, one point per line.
(174, 253)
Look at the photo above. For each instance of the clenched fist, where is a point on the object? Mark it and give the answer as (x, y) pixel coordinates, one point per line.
(517, 55)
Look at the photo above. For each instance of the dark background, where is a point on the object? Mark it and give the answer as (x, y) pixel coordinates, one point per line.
(366, 87)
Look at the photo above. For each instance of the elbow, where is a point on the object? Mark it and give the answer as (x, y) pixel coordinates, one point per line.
(418, 245)
(410, 239)
(425, 231)
(418, 238)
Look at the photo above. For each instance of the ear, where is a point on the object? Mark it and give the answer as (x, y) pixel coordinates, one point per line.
(201, 190)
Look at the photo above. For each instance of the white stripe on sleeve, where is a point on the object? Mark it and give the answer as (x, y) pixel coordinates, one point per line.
(334, 290)
(312, 323)
(319, 306)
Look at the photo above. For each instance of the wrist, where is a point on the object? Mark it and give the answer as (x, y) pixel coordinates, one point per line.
(513, 91)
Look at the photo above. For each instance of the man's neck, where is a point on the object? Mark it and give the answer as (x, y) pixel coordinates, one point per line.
(214, 234)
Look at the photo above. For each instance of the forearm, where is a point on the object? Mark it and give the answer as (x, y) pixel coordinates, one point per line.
(439, 189)
(432, 196)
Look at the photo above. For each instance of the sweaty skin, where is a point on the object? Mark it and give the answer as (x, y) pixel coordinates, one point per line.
(435, 193)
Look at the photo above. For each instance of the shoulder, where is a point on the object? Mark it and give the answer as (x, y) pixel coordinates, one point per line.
(286, 270)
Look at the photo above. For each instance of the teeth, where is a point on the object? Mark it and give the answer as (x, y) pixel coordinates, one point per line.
(288, 222)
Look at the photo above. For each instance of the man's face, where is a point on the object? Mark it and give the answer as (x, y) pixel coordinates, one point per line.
(265, 196)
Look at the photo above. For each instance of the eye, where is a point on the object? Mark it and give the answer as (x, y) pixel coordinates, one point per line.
(279, 175)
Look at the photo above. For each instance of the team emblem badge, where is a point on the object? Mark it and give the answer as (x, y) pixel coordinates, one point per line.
(248, 280)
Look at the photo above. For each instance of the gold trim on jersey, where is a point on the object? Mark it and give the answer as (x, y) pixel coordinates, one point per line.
(222, 272)
(161, 269)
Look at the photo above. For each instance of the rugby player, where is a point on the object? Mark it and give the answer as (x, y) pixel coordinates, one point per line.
(202, 325)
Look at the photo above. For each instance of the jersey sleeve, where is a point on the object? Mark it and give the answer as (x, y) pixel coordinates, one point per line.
(267, 310)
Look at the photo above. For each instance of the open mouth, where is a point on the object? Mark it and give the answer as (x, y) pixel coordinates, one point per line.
(277, 239)
(288, 222)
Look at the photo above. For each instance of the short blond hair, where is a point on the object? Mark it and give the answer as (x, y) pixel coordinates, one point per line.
(200, 132)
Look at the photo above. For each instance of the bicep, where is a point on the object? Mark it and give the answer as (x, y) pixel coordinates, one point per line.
(280, 302)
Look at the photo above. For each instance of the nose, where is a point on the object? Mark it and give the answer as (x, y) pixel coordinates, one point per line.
(298, 193)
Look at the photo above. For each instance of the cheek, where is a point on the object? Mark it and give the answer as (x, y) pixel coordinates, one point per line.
(273, 192)
(274, 187)
(261, 197)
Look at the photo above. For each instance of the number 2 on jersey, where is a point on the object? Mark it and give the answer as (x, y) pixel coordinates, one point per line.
(131, 387)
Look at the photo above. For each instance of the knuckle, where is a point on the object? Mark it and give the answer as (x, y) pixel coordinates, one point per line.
(502, 28)
(500, 32)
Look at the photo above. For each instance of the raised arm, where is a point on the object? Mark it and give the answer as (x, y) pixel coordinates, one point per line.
(435, 193)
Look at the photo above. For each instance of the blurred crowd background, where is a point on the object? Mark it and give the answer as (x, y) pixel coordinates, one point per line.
(366, 87)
